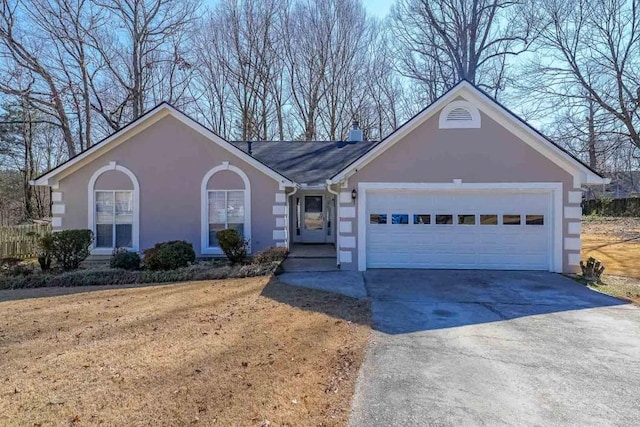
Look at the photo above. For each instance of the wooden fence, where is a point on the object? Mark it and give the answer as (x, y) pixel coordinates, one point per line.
(21, 241)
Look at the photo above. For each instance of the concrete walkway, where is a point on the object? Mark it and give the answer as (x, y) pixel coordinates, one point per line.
(496, 348)
(310, 250)
(349, 283)
(311, 258)
(309, 264)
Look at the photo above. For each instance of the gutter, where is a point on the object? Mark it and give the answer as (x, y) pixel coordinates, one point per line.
(337, 222)
(288, 226)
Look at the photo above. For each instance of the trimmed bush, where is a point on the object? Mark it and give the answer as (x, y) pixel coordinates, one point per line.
(122, 258)
(269, 255)
(71, 247)
(233, 245)
(169, 255)
(110, 276)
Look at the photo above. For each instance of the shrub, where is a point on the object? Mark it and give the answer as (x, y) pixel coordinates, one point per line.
(233, 245)
(9, 262)
(111, 276)
(46, 251)
(169, 255)
(13, 267)
(269, 255)
(71, 247)
(122, 258)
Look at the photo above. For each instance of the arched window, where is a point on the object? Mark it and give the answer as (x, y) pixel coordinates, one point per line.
(459, 114)
(114, 209)
(225, 203)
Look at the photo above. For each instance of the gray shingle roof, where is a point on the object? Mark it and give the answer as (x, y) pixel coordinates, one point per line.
(306, 162)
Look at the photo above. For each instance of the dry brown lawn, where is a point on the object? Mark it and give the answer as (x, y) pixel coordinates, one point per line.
(615, 242)
(245, 352)
(627, 288)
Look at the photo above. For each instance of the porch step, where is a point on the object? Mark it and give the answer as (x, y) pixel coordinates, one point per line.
(319, 251)
(303, 264)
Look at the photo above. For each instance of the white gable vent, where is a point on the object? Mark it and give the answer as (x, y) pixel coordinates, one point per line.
(459, 114)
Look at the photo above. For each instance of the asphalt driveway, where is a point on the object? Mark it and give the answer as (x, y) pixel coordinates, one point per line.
(497, 348)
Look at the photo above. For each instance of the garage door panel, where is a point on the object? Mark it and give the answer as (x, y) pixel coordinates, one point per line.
(458, 245)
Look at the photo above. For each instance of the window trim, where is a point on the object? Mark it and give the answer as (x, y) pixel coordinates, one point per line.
(91, 193)
(205, 249)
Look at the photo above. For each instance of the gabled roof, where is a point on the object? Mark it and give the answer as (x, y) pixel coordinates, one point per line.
(582, 173)
(149, 118)
(294, 162)
(306, 162)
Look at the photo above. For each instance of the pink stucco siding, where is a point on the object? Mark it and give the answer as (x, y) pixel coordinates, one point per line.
(170, 160)
(490, 154)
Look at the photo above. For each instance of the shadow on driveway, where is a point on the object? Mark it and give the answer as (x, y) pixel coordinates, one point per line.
(406, 301)
(310, 298)
(496, 348)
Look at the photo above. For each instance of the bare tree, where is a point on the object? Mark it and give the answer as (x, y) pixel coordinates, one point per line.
(381, 109)
(20, 155)
(68, 23)
(590, 51)
(242, 36)
(307, 31)
(209, 87)
(342, 83)
(25, 74)
(443, 41)
(146, 41)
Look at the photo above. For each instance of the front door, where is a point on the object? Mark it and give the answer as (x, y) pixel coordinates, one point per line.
(313, 219)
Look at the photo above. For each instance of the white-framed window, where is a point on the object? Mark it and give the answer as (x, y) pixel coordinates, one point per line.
(222, 208)
(226, 209)
(113, 219)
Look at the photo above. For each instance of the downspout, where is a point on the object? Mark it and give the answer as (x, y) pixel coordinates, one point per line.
(288, 226)
(337, 221)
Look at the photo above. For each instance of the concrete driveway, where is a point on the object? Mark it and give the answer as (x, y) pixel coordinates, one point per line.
(497, 348)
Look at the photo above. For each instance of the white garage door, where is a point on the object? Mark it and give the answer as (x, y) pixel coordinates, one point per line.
(458, 230)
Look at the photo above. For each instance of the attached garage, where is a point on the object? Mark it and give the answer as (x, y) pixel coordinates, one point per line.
(460, 228)
(464, 184)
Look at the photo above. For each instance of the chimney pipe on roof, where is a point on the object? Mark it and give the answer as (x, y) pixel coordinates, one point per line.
(355, 133)
(249, 148)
